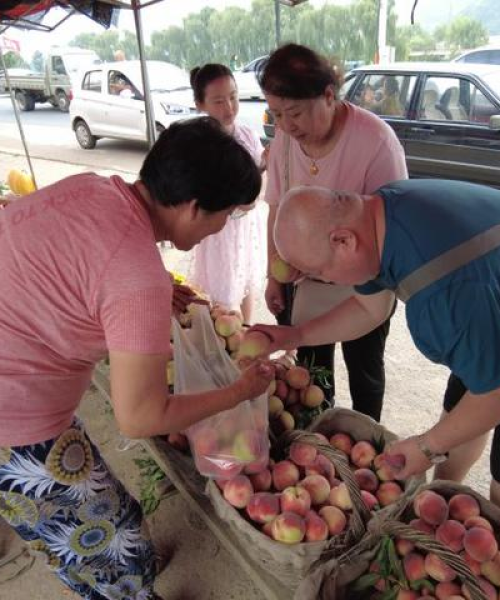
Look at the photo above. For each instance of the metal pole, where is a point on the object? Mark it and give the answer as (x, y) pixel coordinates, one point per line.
(18, 118)
(277, 21)
(150, 118)
(382, 32)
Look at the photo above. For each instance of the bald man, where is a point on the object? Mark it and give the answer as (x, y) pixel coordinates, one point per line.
(435, 245)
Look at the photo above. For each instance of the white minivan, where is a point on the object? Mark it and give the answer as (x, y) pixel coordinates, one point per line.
(110, 101)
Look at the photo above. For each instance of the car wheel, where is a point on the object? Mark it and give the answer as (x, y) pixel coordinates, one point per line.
(62, 101)
(25, 101)
(84, 136)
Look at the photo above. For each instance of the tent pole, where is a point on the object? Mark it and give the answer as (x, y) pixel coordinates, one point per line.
(150, 118)
(18, 118)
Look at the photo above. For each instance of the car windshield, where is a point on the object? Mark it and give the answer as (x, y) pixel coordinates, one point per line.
(493, 80)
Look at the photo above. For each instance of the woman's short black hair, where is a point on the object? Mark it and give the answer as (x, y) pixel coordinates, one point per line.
(200, 77)
(295, 71)
(197, 159)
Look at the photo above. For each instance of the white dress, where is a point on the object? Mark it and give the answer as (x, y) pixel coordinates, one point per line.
(229, 264)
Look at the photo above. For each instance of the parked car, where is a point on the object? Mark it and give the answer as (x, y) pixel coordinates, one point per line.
(446, 115)
(54, 84)
(246, 80)
(110, 101)
(486, 55)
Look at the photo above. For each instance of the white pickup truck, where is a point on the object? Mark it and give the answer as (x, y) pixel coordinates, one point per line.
(55, 83)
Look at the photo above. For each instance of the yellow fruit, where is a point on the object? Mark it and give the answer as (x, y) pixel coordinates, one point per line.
(12, 179)
(26, 184)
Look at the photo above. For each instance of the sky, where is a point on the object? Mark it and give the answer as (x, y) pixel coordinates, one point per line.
(158, 16)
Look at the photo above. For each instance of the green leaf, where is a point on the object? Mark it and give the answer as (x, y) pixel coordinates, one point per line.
(395, 562)
(390, 593)
(418, 584)
(365, 581)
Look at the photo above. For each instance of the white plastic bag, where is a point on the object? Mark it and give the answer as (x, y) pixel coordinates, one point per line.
(233, 440)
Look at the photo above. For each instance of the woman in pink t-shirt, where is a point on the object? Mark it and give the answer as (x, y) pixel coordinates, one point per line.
(230, 266)
(81, 277)
(321, 140)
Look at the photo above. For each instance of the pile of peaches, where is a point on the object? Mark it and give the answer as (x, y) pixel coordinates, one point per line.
(300, 499)
(457, 523)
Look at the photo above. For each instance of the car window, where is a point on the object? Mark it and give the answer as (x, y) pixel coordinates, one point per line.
(454, 99)
(348, 83)
(92, 81)
(58, 65)
(119, 83)
(490, 57)
(385, 94)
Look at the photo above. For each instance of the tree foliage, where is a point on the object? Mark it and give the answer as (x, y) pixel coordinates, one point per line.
(347, 32)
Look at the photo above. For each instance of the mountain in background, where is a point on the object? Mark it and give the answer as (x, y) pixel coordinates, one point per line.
(431, 13)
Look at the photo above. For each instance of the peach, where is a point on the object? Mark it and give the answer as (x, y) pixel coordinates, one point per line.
(233, 341)
(267, 529)
(321, 466)
(421, 525)
(480, 544)
(371, 501)
(362, 454)
(316, 527)
(334, 518)
(473, 565)
(406, 595)
(205, 441)
(257, 466)
(178, 441)
(437, 569)
(254, 344)
(339, 497)
(318, 488)
(247, 446)
(321, 437)
(488, 590)
(293, 397)
(366, 479)
(431, 507)
(226, 325)
(288, 528)
(281, 271)
(285, 421)
(271, 388)
(388, 492)
(285, 474)
(342, 441)
(447, 589)
(281, 390)
(238, 491)
(385, 467)
(298, 378)
(451, 533)
(404, 547)
(312, 396)
(295, 499)
(478, 522)
(303, 454)
(275, 406)
(379, 585)
(491, 570)
(463, 506)
(261, 481)
(414, 566)
(280, 371)
(263, 507)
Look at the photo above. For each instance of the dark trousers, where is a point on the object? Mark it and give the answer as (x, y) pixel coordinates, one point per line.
(364, 360)
(455, 390)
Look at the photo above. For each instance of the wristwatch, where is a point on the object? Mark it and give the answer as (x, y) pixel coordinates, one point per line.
(433, 457)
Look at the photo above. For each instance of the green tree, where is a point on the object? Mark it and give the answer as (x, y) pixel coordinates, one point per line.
(14, 60)
(464, 32)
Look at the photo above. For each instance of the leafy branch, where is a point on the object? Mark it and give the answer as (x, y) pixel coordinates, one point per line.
(151, 489)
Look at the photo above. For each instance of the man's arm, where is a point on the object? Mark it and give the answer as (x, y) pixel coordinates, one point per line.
(475, 415)
(143, 407)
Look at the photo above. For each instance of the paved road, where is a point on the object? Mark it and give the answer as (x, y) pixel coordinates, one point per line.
(49, 135)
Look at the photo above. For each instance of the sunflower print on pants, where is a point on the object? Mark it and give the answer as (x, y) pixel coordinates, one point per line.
(62, 499)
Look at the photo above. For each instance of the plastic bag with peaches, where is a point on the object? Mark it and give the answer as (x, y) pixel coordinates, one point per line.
(232, 441)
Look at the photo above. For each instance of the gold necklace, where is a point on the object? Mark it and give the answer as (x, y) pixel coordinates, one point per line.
(313, 167)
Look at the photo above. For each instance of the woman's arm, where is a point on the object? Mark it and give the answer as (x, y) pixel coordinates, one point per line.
(144, 408)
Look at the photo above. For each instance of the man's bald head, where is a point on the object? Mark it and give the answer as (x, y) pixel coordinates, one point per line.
(305, 219)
